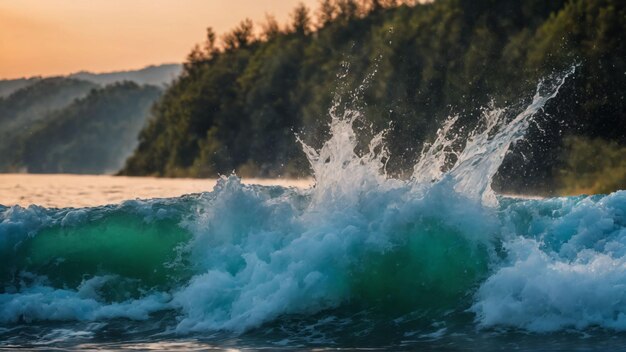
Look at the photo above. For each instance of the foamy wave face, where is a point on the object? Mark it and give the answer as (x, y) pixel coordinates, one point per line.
(568, 272)
(41, 302)
(253, 254)
(263, 257)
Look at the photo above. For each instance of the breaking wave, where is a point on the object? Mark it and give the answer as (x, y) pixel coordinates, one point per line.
(358, 253)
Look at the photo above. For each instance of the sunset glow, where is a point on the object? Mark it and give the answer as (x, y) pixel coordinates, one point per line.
(51, 37)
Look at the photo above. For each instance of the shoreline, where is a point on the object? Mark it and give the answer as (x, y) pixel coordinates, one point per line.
(79, 190)
(76, 190)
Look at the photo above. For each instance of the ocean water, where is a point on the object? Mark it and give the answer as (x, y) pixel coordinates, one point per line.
(358, 261)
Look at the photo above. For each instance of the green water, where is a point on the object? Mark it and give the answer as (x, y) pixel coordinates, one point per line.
(434, 268)
(118, 244)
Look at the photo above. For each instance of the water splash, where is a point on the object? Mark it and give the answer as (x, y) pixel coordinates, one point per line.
(340, 172)
(338, 167)
(485, 148)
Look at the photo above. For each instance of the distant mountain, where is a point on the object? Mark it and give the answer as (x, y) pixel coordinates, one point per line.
(34, 101)
(25, 107)
(95, 108)
(154, 75)
(94, 134)
(157, 75)
(12, 85)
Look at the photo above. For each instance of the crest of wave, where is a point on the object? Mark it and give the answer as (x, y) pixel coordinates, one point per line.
(339, 170)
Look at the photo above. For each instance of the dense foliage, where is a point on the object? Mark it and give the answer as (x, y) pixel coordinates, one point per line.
(94, 134)
(241, 99)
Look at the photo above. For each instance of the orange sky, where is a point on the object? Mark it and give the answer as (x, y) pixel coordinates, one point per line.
(50, 37)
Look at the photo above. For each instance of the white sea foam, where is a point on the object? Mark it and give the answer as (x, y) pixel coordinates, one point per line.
(42, 302)
(571, 274)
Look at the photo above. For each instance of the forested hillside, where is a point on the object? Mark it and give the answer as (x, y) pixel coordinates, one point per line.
(94, 134)
(9, 86)
(25, 107)
(243, 96)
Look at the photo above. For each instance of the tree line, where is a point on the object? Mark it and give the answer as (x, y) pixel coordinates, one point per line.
(244, 95)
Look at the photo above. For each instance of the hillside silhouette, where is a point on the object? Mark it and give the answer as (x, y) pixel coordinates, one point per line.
(72, 126)
(156, 75)
(92, 135)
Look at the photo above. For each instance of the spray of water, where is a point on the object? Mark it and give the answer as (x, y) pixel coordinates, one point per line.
(337, 164)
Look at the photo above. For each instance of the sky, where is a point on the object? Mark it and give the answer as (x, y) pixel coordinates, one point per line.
(55, 37)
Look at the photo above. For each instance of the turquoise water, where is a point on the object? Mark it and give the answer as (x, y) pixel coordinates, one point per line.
(360, 260)
(262, 266)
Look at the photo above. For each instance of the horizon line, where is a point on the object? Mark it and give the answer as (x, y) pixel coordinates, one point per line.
(95, 72)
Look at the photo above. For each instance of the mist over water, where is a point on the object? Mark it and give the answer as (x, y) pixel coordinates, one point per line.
(361, 259)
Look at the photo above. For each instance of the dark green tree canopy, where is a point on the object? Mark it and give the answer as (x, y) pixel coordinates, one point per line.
(238, 107)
